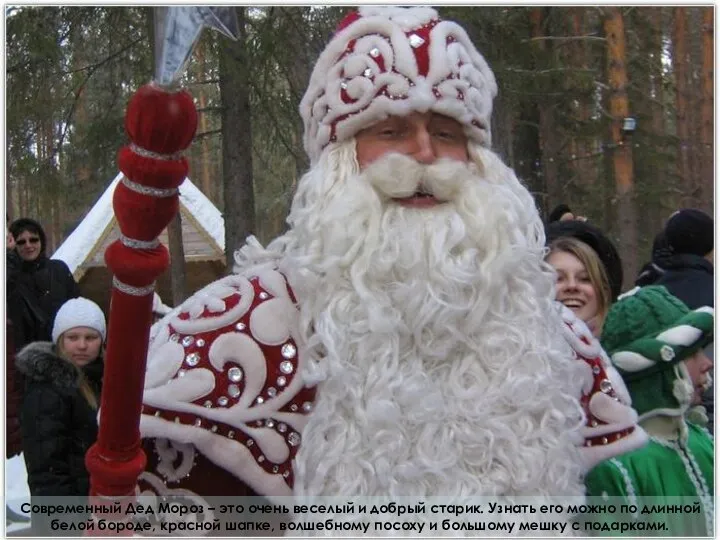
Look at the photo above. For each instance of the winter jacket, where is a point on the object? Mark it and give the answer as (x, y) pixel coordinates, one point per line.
(58, 425)
(35, 291)
(689, 278)
(14, 388)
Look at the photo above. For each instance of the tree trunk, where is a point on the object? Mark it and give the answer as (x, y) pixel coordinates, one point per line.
(547, 129)
(178, 275)
(622, 163)
(205, 176)
(707, 116)
(680, 60)
(238, 189)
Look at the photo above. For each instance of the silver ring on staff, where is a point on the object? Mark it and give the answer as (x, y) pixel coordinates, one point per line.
(140, 151)
(139, 244)
(131, 290)
(147, 190)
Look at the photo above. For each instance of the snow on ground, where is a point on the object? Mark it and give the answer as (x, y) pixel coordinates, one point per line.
(16, 489)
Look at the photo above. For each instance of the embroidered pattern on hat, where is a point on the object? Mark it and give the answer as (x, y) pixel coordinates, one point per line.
(393, 61)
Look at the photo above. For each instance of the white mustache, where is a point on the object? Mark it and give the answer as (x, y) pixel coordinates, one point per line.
(396, 176)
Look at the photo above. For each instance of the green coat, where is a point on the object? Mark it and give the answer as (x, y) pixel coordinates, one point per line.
(658, 475)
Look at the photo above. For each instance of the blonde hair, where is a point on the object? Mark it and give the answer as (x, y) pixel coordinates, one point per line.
(84, 386)
(593, 266)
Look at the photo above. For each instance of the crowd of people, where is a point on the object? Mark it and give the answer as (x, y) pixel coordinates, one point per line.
(419, 331)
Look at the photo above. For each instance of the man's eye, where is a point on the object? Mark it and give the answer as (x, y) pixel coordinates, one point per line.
(447, 135)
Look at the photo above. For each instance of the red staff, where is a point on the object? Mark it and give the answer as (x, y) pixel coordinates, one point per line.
(160, 124)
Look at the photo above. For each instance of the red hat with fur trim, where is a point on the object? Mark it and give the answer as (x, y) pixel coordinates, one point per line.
(386, 61)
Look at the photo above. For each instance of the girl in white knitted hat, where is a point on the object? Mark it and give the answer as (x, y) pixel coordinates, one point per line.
(59, 409)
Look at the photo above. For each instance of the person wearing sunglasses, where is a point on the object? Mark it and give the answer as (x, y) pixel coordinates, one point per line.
(36, 285)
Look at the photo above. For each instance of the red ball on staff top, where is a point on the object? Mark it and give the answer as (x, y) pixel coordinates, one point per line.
(161, 121)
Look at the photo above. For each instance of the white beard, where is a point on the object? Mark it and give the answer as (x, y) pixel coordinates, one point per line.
(441, 367)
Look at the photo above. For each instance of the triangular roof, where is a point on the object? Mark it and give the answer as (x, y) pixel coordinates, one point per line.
(99, 228)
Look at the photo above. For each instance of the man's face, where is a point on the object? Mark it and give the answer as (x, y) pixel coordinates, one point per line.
(28, 245)
(425, 137)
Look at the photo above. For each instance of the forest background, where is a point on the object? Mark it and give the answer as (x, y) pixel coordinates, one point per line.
(572, 82)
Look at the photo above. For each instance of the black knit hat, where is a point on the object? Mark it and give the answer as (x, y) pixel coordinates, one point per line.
(600, 244)
(559, 211)
(690, 231)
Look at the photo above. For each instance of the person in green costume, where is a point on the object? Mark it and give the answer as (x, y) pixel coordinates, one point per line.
(656, 343)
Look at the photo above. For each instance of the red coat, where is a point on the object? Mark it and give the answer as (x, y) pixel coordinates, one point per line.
(14, 395)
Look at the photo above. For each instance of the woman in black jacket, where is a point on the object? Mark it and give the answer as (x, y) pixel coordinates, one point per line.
(36, 285)
(59, 409)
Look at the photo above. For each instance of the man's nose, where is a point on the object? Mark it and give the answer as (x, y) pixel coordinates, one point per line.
(423, 151)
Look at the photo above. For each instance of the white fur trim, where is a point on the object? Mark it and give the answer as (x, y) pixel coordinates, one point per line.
(631, 361)
(617, 382)
(574, 329)
(596, 454)
(380, 32)
(617, 415)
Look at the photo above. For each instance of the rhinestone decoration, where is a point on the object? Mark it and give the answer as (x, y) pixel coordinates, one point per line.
(307, 406)
(375, 52)
(596, 370)
(213, 429)
(343, 85)
(260, 399)
(293, 407)
(272, 392)
(222, 401)
(250, 442)
(231, 434)
(259, 423)
(604, 440)
(275, 468)
(192, 359)
(368, 73)
(233, 390)
(261, 459)
(293, 439)
(282, 428)
(174, 338)
(187, 341)
(235, 374)
(281, 381)
(263, 295)
(288, 350)
(667, 353)
(286, 367)
(286, 474)
(198, 422)
(200, 342)
(240, 326)
(270, 423)
(181, 373)
(208, 404)
(157, 413)
(416, 41)
(605, 386)
(594, 423)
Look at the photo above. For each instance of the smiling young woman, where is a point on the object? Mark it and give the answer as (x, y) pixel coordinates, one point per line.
(582, 283)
